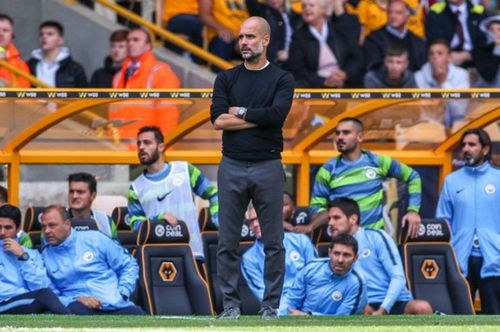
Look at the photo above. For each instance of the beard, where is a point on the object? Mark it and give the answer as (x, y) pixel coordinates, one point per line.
(472, 161)
(151, 160)
(346, 148)
(254, 55)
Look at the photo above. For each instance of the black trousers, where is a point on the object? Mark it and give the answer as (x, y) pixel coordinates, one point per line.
(39, 301)
(489, 288)
(238, 183)
(79, 309)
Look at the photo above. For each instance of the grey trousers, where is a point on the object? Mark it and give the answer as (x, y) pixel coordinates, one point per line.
(238, 183)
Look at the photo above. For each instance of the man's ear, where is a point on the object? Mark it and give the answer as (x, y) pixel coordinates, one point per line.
(161, 147)
(267, 39)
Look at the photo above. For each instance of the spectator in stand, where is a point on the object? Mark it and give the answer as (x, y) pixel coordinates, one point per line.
(223, 19)
(24, 284)
(457, 22)
(282, 20)
(323, 54)
(373, 16)
(82, 190)
(180, 17)
(52, 62)
(349, 22)
(141, 70)
(92, 274)
(395, 32)
(299, 251)
(394, 73)
(487, 57)
(469, 201)
(9, 53)
(103, 77)
(441, 73)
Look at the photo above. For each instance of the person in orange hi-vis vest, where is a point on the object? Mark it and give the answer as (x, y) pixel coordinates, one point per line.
(9, 53)
(141, 70)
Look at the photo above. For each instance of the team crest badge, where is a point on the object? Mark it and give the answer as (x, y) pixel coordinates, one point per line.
(337, 296)
(177, 180)
(88, 256)
(366, 253)
(490, 189)
(370, 173)
(294, 255)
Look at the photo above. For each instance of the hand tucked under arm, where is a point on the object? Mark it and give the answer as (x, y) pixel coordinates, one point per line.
(231, 122)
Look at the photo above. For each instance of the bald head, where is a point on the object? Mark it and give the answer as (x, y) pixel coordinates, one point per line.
(260, 23)
(253, 40)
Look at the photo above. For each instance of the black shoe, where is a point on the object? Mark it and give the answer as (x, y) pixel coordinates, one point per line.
(231, 313)
(268, 313)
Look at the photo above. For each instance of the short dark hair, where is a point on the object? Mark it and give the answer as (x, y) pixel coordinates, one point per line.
(118, 36)
(347, 205)
(63, 212)
(443, 42)
(153, 129)
(84, 177)
(484, 139)
(357, 123)
(396, 49)
(292, 198)
(347, 240)
(11, 212)
(53, 24)
(4, 194)
(5, 17)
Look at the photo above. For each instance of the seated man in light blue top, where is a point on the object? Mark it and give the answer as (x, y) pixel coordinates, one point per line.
(329, 286)
(90, 272)
(24, 284)
(379, 262)
(299, 251)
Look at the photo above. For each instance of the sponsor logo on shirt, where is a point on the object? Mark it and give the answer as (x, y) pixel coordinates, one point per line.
(161, 198)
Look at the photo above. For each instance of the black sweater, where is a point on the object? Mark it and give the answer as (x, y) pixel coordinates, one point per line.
(267, 94)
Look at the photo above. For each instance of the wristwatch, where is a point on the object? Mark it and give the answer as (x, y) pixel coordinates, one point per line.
(241, 112)
(24, 257)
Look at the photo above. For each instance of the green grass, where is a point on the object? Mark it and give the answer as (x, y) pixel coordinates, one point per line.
(251, 323)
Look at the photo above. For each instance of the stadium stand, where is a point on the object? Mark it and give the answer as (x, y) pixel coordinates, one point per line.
(432, 271)
(169, 271)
